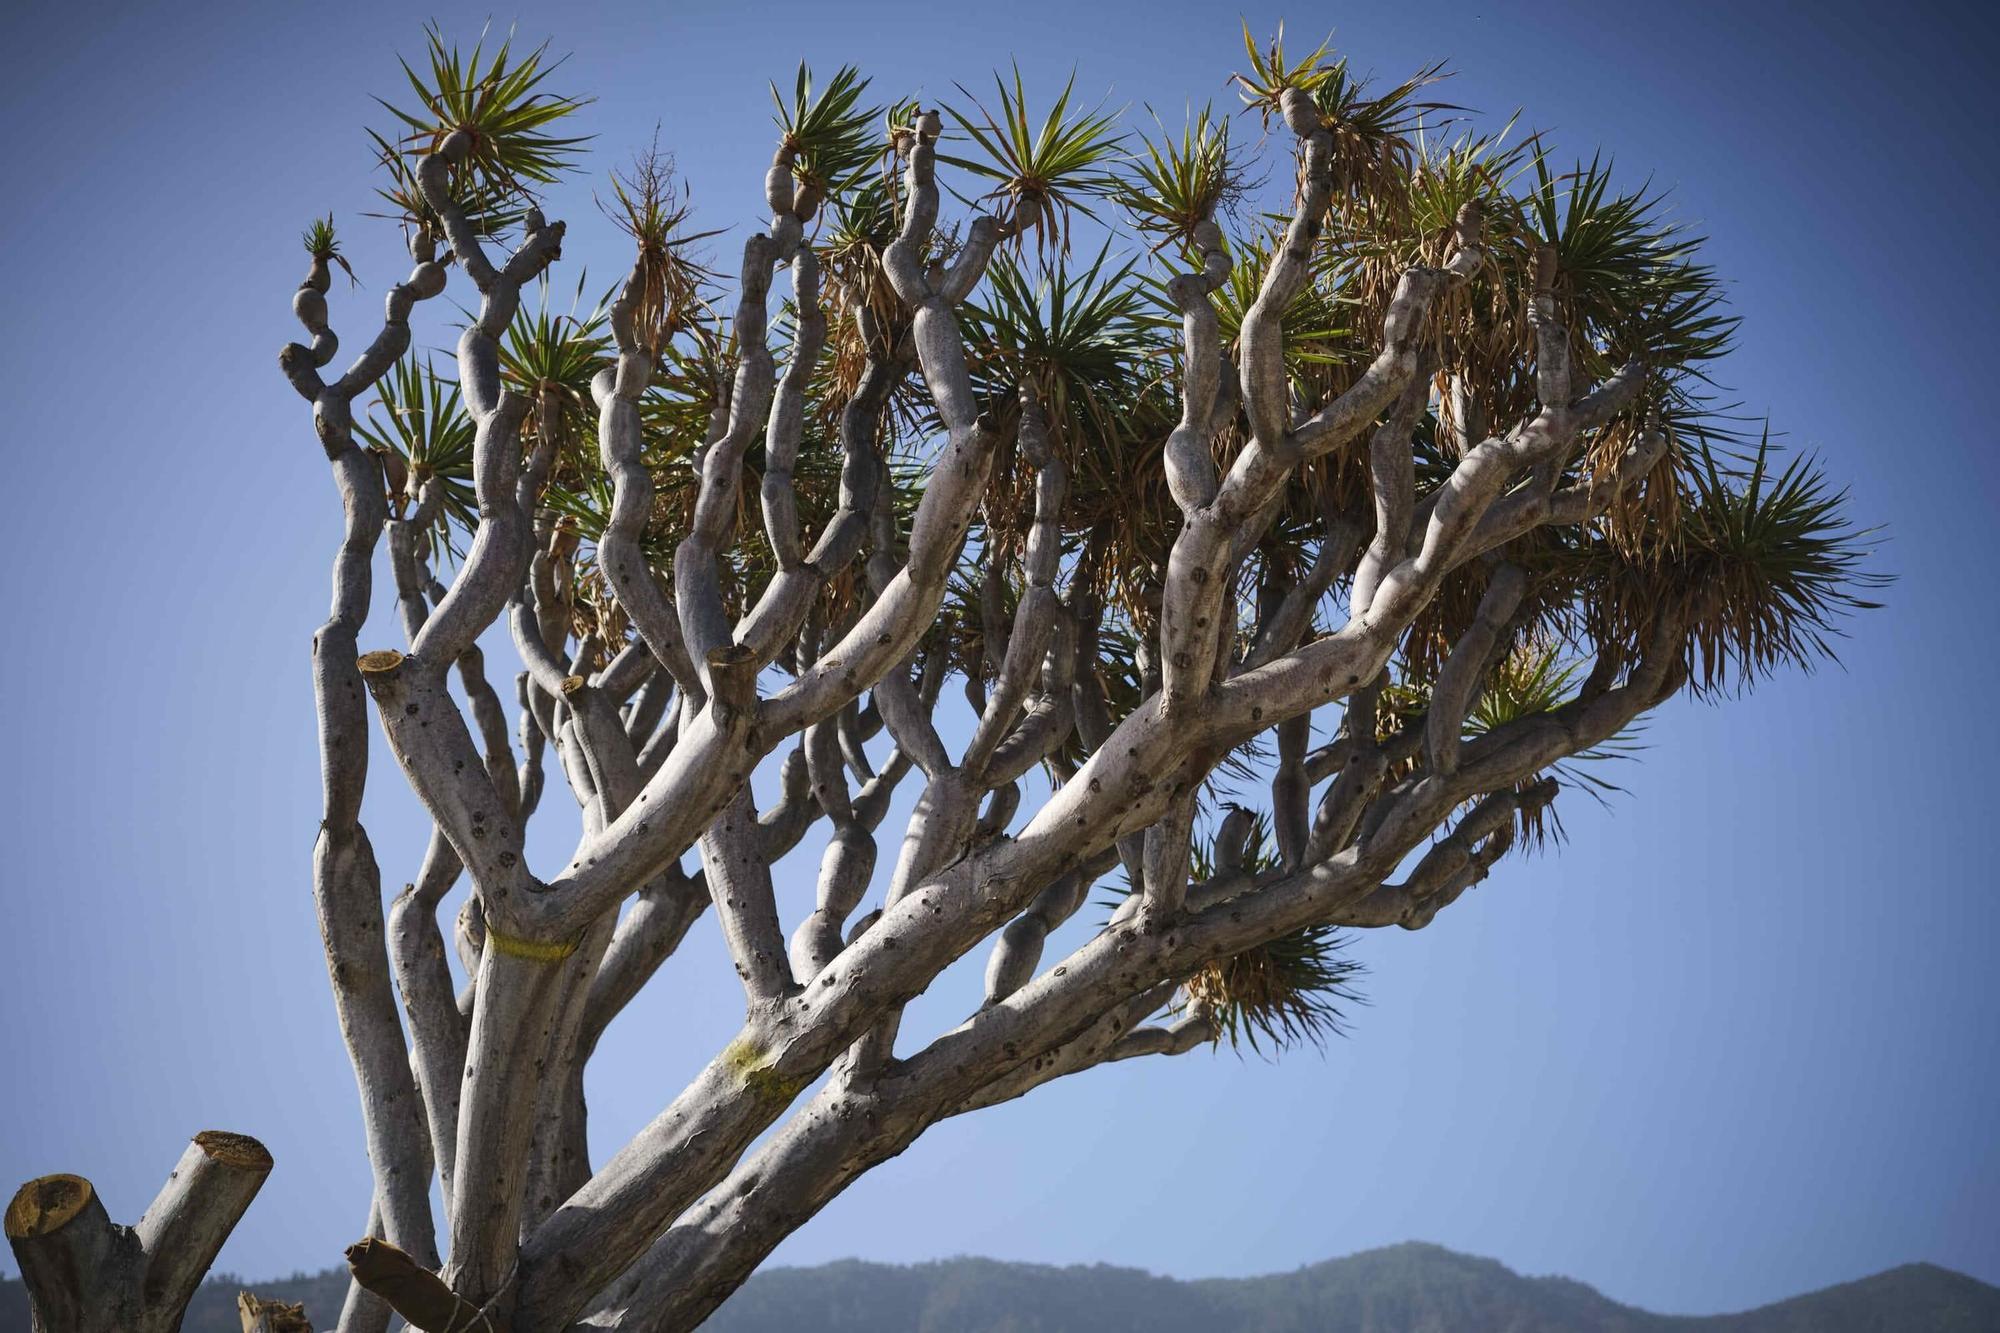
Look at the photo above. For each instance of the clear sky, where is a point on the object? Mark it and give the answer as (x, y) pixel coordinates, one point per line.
(1737, 1040)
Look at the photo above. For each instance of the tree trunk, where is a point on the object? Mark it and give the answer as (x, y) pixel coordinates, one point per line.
(87, 1274)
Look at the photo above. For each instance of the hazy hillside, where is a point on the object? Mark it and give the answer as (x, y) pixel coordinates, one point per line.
(1411, 1288)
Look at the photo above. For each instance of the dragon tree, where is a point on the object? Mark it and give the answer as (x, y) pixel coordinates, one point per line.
(1218, 538)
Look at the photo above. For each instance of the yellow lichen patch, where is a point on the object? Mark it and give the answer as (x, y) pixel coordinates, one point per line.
(515, 947)
(757, 1069)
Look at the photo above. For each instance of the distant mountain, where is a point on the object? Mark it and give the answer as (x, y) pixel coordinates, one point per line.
(1412, 1288)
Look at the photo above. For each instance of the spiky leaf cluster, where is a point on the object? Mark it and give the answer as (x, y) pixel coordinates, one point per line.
(1281, 994)
(829, 132)
(418, 421)
(1043, 171)
(498, 104)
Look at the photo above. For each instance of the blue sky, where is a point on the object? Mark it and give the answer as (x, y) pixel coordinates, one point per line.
(1736, 1040)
